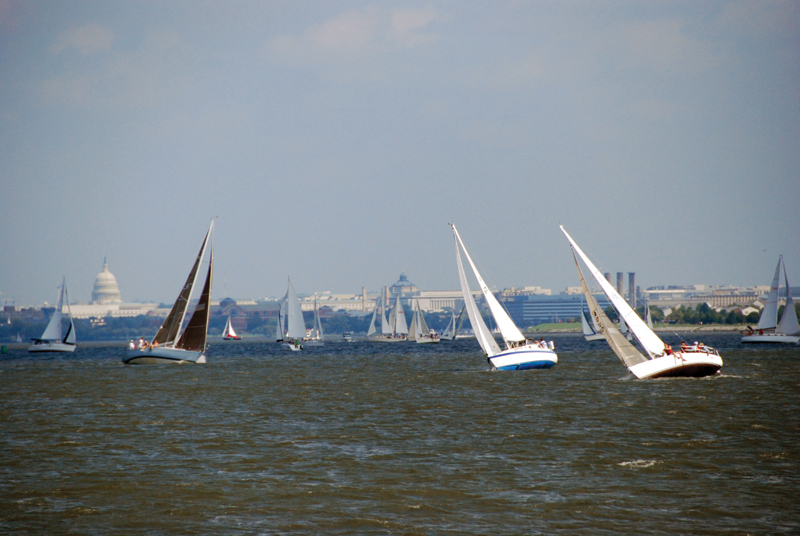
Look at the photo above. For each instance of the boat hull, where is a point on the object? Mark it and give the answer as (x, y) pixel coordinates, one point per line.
(157, 356)
(524, 358)
(427, 340)
(595, 337)
(313, 343)
(46, 346)
(679, 365)
(771, 338)
(385, 338)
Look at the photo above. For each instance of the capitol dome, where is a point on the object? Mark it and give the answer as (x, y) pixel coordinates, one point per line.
(106, 289)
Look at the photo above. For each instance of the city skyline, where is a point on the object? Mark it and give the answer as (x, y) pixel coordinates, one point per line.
(335, 141)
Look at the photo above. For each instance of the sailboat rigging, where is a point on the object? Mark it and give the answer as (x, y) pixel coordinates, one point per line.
(519, 353)
(768, 328)
(419, 331)
(294, 329)
(174, 342)
(229, 334)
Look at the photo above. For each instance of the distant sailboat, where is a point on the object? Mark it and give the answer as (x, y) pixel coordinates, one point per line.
(520, 353)
(591, 332)
(174, 342)
(454, 326)
(648, 316)
(52, 339)
(768, 328)
(419, 331)
(316, 337)
(229, 334)
(660, 360)
(294, 329)
(380, 329)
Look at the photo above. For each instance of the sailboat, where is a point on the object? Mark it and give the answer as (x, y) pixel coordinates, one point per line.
(294, 329)
(229, 334)
(519, 353)
(52, 339)
(768, 328)
(453, 327)
(648, 316)
(380, 330)
(316, 337)
(591, 332)
(419, 331)
(174, 342)
(660, 360)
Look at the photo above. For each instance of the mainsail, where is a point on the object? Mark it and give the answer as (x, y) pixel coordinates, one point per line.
(194, 336)
(295, 325)
(397, 318)
(647, 338)
(482, 332)
(769, 314)
(788, 324)
(53, 330)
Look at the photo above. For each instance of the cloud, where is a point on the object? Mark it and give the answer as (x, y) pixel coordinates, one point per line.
(87, 40)
(356, 34)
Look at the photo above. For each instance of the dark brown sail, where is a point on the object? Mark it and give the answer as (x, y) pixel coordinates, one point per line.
(194, 336)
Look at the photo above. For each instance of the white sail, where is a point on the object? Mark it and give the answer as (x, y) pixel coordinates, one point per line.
(295, 325)
(788, 324)
(648, 316)
(53, 330)
(482, 332)
(316, 333)
(386, 327)
(397, 319)
(420, 326)
(507, 328)
(647, 338)
(372, 329)
(229, 331)
(587, 329)
(769, 314)
(281, 328)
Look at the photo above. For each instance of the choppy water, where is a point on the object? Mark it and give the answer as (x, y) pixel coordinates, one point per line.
(397, 439)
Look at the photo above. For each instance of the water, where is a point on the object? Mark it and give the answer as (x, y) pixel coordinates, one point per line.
(397, 439)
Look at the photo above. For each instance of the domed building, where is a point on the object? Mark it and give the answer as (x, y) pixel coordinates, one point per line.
(106, 289)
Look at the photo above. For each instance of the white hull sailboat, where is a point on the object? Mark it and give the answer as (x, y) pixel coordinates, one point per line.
(419, 331)
(382, 330)
(229, 334)
(174, 342)
(52, 339)
(520, 353)
(316, 337)
(294, 330)
(769, 330)
(661, 361)
(453, 327)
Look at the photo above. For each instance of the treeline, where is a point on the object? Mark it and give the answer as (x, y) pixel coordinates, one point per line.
(702, 314)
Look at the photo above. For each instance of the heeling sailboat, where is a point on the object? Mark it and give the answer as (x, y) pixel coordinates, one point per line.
(768, 328)
(295, 328)
(52, 339)
(520, 353)
(316, 337)
(660, 360)
(419, 331)
(379, 328)
(229, 334)
(171, 345)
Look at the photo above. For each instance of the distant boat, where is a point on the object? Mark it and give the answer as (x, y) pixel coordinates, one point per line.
(380, 329)
(768, 328)
(591, 332)
(228, 333)
(419, 331)
(52, 339)
(347, 336)
(172, 344)
(18, 339)
(520, 353)
(648, 316)
(315, 337)
(661, 360)
(294, 330)
(453, 326)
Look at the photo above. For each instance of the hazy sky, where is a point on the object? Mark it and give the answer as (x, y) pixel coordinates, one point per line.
(335, 140)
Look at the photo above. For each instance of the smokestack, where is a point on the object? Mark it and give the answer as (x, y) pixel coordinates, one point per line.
(632, 289)
(363, 298)
(620, 287)
(607, 275)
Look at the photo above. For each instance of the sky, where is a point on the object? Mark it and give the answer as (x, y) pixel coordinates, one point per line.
(335, 140)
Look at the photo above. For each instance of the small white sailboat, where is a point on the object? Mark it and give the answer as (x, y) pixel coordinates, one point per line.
(453, 326)
(660, 361)
(648, 316)
(294, 330)
(768, 328)
(520, 353)
(591, 332)
(52, 339)
(380, 329)
(229, 334)
(419, 331)
(174, 342)
(315, 337)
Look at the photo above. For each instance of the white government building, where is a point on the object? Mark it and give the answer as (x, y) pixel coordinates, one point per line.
(107, 301)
